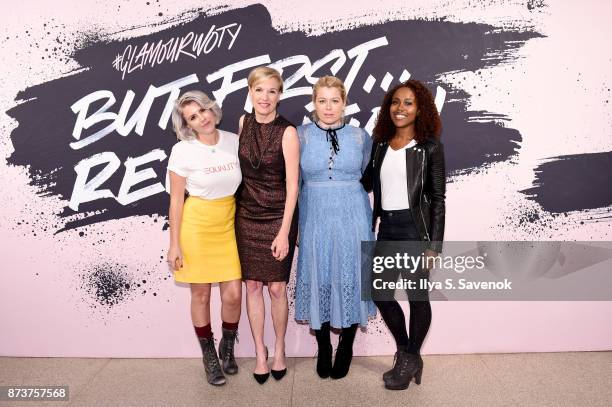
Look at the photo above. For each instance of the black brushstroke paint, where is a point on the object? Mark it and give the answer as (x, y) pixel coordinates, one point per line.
(573, 182)
(427, 49)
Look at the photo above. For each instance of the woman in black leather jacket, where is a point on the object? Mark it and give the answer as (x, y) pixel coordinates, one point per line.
(407, 176)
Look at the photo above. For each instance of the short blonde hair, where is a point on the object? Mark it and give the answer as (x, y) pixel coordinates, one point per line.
(183, 132)
(262, 73)
(327, 82)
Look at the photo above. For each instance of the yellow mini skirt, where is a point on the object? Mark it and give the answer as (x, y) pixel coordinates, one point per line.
(208, 241)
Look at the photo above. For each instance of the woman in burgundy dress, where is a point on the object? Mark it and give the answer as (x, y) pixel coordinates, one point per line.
(266, 228)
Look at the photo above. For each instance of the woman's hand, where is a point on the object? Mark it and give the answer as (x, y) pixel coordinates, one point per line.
(280, 246)
(430, 255)
(175, 258)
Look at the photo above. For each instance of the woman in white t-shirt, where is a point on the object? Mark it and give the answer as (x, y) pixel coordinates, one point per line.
(408, 178)
(202, 239)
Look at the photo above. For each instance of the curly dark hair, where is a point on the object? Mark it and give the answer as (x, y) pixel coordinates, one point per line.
(427, 123)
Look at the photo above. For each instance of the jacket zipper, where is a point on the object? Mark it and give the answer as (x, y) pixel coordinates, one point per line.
(376, 153)
(422, 188)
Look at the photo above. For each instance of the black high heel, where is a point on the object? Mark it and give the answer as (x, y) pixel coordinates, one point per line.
(344, 353)
(279, 374)
(418, 374)
(408, 366)
(262, 377)
(342, 362)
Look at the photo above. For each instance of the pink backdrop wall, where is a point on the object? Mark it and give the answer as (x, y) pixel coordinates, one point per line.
(556, 93)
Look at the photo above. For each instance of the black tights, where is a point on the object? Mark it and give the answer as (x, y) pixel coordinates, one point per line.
(420, 319)
(399, 226)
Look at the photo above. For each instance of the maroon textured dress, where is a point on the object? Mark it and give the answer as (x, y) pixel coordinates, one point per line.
(261, 200)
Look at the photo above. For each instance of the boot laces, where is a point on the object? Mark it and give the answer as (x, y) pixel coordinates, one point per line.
(394, 360)
(228, 344)
(211, 356)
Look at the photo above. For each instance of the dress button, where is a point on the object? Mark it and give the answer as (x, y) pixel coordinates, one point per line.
(329, 177)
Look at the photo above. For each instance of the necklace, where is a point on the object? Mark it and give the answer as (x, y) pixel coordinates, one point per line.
(212, 147)
(257, 132)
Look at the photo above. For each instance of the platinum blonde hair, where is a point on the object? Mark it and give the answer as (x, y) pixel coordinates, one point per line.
(183, 132)
(328, 82)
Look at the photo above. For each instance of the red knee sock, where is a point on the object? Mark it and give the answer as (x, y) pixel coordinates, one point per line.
(203, 331)
(232, 326)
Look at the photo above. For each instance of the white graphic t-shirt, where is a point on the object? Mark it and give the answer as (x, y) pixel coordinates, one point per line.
(211, 171)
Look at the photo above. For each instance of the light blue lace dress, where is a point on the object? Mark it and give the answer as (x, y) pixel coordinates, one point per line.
(335, 216)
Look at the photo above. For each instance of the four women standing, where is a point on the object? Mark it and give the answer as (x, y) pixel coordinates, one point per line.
(405, 169)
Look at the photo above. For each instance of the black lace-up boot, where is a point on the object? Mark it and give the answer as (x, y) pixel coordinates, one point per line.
(214, 374)
(408, 365)
(226, 351)
(387, 375)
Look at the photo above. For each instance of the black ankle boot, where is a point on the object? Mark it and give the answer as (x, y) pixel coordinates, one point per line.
(324, 360)
(226, 351)
(408, 365)
(214, 374)
(387, 375)
(324, 354)
(344, 353)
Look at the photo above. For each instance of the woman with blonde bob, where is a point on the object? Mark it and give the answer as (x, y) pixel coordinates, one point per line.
(266, 227)
(204, 163)
(335, 217)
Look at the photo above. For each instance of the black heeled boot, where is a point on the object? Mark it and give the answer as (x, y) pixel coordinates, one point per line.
(408, 365)
(324, 354)
(389, 373)
(226, 351)
(344, 353)
(214, 374)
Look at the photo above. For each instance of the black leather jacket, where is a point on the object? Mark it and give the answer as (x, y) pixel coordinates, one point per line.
(426, 179)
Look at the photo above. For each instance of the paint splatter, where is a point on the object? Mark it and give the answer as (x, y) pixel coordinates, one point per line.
(108, 284)
(535, 4)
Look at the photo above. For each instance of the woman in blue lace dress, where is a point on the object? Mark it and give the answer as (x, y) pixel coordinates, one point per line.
(335, 217)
